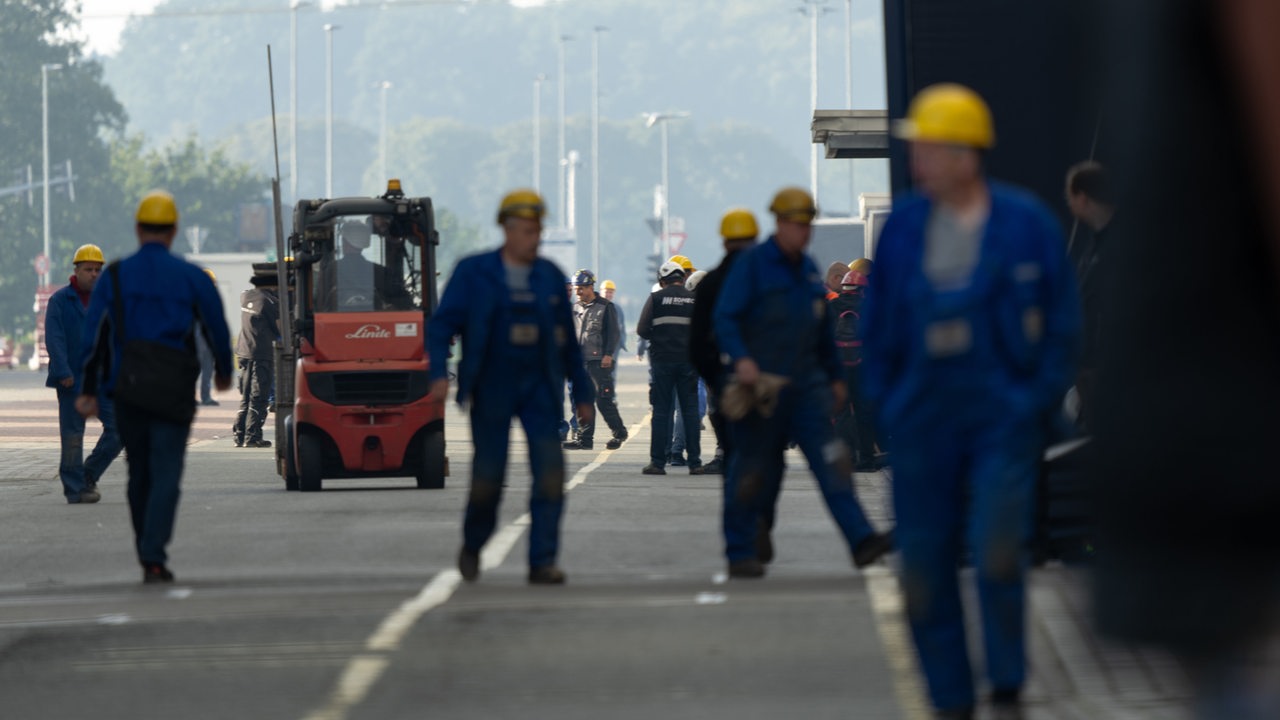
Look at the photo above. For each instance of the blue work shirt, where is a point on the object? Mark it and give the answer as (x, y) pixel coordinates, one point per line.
(478, 305)
(1004, 346)
(63, 321)
(164, 296)
(774, 311)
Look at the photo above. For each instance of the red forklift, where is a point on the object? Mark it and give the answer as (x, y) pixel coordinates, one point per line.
(351, 367)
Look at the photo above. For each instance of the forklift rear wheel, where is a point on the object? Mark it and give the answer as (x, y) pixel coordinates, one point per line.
(290, 464)
(310, 462)
(431, 476)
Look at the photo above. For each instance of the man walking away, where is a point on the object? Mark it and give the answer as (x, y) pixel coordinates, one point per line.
(665, 322)
(139, 349)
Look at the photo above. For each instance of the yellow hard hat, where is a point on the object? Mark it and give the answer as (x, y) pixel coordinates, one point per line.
(608, 285)
(209, 272)
(861, 266)
(685, 263)
(523, 203)
(794, 204)
(948, 113)
(739, 224)
(88, 253)
(158, 208)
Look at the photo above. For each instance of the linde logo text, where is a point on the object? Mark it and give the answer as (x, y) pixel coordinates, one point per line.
(366, 332)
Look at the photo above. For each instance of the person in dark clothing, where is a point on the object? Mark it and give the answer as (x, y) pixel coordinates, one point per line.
(1090, 198)
(665, 322)
(853, 420)
(739, 229)
(259, 328)
(597, 326)
(1189, 350)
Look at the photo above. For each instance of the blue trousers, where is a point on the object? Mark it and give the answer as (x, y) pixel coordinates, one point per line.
(155, 450)
(955, 486)
(495, 402)
(755, 469)
(678, 381)
(75, 471)
(678, 436)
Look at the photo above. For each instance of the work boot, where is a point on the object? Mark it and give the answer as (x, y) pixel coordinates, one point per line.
(156, 573)
(715, 467)
(676, 460)
(749, 568)
(85, 497)
(468, 564)
(546, 575)
(578, 444)
(90, 482)
(258, 444)
(696, 470)
(615, 442)
(653, 469)
(872, 549)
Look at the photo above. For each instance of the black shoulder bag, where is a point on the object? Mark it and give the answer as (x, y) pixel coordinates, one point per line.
(153, 377)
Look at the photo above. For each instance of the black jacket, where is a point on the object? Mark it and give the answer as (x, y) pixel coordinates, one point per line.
(259, 324)
(703, 349)
(597, 325)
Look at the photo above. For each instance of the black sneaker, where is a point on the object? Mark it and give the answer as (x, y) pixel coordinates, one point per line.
(577, 445)
(546, 575)
(715, 467)
(676, 460)
(258, 444)
(86, 497)
(468, 565)
(749, 568)
(239, 442)
(653, 469)
(614, 443)
(697, 470)
(872, 549)
(156, 573)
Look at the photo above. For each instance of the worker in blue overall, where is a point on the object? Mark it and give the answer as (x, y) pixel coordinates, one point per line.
(518, 348)
(63, 322)
(139, 334)
(970, 328)
(773, 322)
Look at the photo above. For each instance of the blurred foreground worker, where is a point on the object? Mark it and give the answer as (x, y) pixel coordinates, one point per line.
(518, 348)
(1091, 200)
(597, 331)
(665, 322)
(63, 327)
(772, 322)
(140, 350)
(1187, 468)
(739, 229)
(969, 332)
(609, 288)
(259, 329)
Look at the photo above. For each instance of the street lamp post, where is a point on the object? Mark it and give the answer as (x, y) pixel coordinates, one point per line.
(385, 85)
(537, 132)
(328, 112)
(595, 148)
(293, 99)
(561, 160)
(44, 115)
(659, 118)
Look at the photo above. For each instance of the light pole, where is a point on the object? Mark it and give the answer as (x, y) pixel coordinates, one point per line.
(44, 115)
(293, 99)
(595, 148)
(328, 112)
(560, 157)
(385, 85)
(537, 132)
(813, 8)
(659, 118)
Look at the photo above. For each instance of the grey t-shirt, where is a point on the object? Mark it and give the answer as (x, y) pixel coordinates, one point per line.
(951, 249)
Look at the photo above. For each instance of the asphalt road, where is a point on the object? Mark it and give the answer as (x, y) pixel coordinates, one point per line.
(346, 603)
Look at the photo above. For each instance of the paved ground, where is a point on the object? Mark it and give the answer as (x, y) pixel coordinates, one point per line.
(345, 603)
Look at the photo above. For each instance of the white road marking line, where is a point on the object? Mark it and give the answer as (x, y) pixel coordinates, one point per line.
(114, 619)
(887, 604)
(710, 598)
(179, 593)
(364, 670)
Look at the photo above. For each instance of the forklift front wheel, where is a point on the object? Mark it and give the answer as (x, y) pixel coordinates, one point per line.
(431, 475)
(310, 462)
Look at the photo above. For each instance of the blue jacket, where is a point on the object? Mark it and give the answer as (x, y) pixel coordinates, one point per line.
(470, 307)
(164, 296)
(63, 320)
(1020, 318)
(775, 312)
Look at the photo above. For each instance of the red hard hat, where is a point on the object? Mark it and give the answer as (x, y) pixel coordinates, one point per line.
(853, 280)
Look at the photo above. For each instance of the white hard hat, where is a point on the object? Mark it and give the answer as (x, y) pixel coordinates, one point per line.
(669, 269)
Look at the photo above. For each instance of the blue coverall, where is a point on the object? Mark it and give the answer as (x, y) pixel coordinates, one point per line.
(775, 312)
(63, 323)
(964, 378)
(518, 348)
(164, 296)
